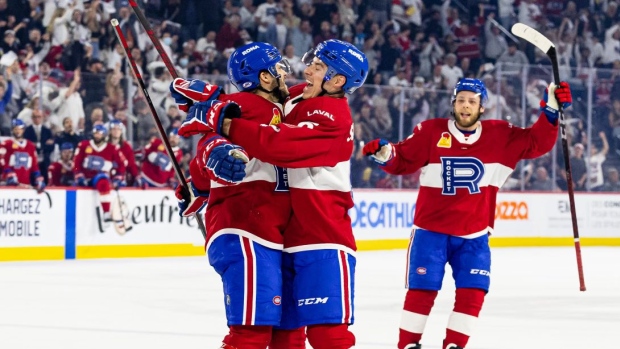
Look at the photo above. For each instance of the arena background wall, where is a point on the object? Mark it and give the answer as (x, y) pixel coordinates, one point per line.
(64, 224)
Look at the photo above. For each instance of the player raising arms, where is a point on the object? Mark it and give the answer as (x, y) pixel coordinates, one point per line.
(315, 144)
(464, 162)
(94, 159)
(245, 222)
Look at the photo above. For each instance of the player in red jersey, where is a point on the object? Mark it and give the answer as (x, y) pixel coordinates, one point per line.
(18, 160)
(245, 222)
(116, 138)
(94, 160)
(315, 143)
(464, 162)
(60, 173)
(156, 169)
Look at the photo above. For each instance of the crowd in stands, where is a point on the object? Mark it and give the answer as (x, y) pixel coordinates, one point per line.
(70, 72)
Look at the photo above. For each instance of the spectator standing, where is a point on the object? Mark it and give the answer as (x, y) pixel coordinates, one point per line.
(301, 38)
(578, 167)
(495, 43)
(613, 181)
(451, 73)
(513, 59)
(265, 18)
(595, 163)
(42, 138)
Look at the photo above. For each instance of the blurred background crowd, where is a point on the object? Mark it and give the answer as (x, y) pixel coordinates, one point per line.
(64, 72)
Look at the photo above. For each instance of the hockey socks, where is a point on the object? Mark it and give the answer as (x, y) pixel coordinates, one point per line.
(248, 337)
(336, 336)
(464, 317)
(103, 187)
(288, 339)
(418, 304)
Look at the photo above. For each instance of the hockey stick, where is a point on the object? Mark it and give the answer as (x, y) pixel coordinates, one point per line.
(149, 31)
(160, 128)
(120, 208)
(537, 39)
(164, 57)
(49, 197)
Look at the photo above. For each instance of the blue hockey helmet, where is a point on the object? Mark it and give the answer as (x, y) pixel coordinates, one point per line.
(66, 146)
(116, 124)
(246, 63)
(474, 85)
(100, 129)
(18, 123)
(341, 58)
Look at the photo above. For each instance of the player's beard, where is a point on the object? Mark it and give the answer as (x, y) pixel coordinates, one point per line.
(466, 124)
(20, 136)
(280, 92)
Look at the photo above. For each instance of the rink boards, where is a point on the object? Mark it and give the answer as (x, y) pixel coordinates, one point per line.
(64, 224)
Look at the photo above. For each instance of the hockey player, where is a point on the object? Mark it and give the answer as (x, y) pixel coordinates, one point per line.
(18, 157)
(94, 159)
(315, 144)
(156, 169)
(245, 222)
(60, 173)
(464, 162)
(116, 138)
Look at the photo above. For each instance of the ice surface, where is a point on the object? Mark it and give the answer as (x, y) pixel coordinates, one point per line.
(534, 303)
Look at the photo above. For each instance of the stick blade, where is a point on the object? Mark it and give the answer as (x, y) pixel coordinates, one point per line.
(531, 35)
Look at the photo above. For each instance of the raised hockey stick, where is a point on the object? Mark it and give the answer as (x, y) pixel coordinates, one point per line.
(149, 31)
(537, 39)
(160, 128)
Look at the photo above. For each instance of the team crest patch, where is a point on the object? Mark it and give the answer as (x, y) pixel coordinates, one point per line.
(277, 300)
(15, 146)
(421, 271)
(445, 141)
(88, 150)
(276, 118)
(161, 147)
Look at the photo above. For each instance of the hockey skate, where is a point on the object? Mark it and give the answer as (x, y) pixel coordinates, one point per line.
(453, 346)
(414, 346)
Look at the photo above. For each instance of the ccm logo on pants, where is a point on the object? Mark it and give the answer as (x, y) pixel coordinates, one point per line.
(480, 272)
(311, 301)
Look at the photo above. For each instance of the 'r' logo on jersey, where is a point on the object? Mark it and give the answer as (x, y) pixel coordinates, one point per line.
(461, 172)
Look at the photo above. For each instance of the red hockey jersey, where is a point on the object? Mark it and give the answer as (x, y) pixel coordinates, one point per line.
(130, 158)
(315, 144)
(259, 206)
(91, 159)
(60, 174)
(461, 175)
(156, 166)
(19, 157)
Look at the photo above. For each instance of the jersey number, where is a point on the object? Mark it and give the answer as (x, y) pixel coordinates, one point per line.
(281, 179)
(461, 172)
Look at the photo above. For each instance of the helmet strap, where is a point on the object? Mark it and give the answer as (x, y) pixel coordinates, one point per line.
(330, 94)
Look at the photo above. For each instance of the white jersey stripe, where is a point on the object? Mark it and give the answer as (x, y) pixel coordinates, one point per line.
(255, 170)
(322, 178)
(495, 175)
(314, 247)
(245, 234)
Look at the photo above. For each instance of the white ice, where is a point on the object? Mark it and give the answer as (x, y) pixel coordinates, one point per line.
(534, 303)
